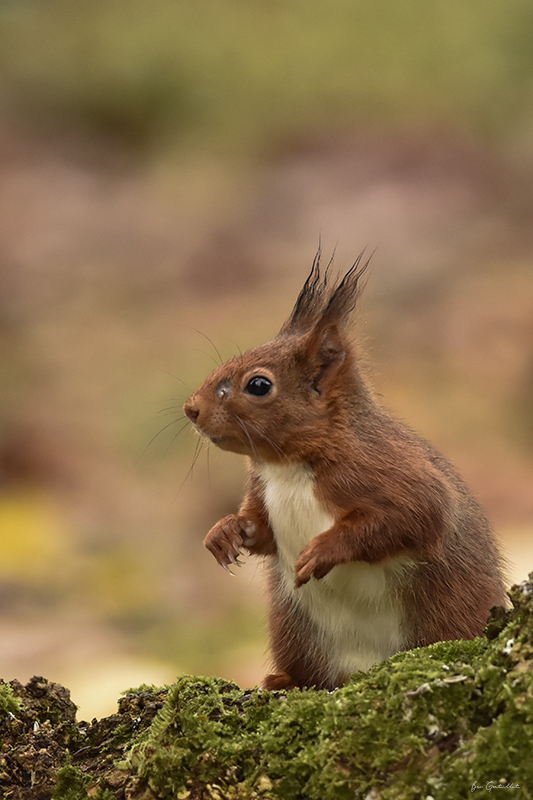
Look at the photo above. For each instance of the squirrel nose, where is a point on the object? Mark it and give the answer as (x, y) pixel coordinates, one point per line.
(191, 410)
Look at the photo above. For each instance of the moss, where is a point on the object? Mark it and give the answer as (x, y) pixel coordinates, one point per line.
(9, 704)
(71, 782)
(430, 722)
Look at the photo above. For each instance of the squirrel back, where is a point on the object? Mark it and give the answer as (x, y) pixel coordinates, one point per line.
(373, 542)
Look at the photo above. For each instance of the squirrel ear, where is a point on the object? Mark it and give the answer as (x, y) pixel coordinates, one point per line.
(326, 352)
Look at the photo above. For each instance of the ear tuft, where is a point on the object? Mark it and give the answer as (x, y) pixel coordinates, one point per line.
(324, 299)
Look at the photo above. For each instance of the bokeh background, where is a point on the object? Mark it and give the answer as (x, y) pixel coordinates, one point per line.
(166, 171)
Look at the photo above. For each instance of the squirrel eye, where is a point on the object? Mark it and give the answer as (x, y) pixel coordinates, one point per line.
(259, 386)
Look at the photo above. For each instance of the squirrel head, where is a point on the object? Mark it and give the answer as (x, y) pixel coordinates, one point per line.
(275, 402)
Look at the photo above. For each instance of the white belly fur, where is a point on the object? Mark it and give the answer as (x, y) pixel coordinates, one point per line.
(354, 606)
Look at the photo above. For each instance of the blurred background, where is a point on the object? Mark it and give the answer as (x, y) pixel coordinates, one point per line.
(166, 171)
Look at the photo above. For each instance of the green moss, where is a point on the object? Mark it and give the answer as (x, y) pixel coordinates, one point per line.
(9, 704)
(429, 722)
(104, 794)
(432, 723)
(71, 782)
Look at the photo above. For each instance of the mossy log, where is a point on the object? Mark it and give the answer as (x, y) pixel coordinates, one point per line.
(438, 722)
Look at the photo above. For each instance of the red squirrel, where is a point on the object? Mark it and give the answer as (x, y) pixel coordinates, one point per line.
(373, 542)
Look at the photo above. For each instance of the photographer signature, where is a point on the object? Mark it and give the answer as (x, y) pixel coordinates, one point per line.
(490, 785)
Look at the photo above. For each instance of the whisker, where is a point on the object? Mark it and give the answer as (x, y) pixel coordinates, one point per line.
(165, 372)
(162, 430)
(243, 427)
(209, 355)
(169, 408)
(167, 412)
(213, 345)
(276, 447)
(197, 450)
(176, 435)
(152, 440)
(208, 465)
(234, 344)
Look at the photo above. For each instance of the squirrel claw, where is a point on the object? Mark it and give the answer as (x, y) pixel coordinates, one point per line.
(304, 571)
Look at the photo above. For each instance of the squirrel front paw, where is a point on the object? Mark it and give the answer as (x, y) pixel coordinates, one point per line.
(318, 558)
(226, 539)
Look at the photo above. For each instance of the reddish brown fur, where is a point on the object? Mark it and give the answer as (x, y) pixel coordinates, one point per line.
(388, 491)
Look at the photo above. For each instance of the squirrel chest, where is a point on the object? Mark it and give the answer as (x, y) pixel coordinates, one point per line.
(355, 608)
